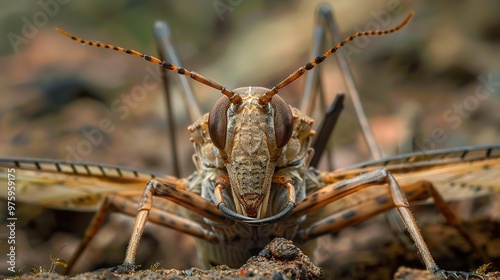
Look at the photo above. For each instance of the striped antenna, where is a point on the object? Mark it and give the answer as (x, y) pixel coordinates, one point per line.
(310, 65)
(235, 99)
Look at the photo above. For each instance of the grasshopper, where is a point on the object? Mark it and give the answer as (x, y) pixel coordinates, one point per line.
(254, 180)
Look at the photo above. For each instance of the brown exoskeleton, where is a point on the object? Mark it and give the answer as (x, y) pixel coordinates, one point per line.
(253, 181)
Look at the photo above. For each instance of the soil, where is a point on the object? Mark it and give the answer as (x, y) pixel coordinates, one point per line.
(280, 259)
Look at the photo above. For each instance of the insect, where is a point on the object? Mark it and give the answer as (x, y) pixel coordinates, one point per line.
(252, 131)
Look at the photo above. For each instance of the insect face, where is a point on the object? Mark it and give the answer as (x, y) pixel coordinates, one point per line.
(250, 138)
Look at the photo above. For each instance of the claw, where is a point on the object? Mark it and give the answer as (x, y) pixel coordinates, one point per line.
(446, 274)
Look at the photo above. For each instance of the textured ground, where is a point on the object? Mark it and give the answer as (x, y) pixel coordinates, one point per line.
(279, 260)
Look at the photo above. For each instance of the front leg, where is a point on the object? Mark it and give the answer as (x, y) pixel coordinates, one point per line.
(334, 192)
(182, 197)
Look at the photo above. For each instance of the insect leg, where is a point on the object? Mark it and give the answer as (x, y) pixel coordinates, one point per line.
(330, 193)
(334, 192)
(363, 211)
(325, 130)
(403, 208)
(454, 221)
(163, 36)
(92, 229)
(360, 212)
(313, 84)
(116, 203)
(326, 19)
(181, 197)
(313, 79)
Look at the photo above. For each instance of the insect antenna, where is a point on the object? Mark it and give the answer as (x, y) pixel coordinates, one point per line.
(311, 64)
(235, 99)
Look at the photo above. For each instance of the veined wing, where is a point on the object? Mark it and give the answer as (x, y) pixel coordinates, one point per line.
(72, 186)
(457, 173)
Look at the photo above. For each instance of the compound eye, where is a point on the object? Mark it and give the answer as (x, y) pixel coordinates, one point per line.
(283, 121)
(217, 122)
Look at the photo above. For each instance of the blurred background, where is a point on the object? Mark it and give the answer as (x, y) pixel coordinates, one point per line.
(437, 76)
